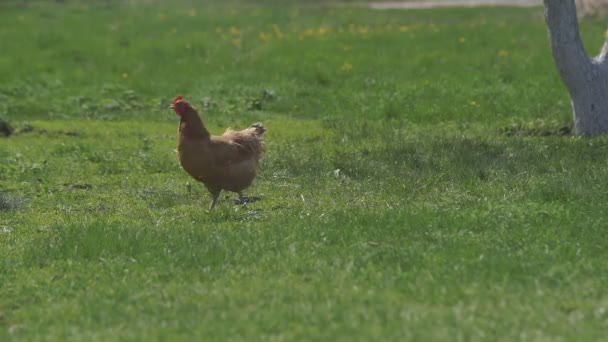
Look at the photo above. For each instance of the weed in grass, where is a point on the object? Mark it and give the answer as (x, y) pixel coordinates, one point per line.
(9, 202)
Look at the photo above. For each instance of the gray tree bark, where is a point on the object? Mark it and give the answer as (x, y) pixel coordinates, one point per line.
(585, 78)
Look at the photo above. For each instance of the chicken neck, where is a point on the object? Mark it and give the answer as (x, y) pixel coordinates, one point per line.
(191, 126)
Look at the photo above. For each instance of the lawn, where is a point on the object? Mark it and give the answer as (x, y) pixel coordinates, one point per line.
(419, 181)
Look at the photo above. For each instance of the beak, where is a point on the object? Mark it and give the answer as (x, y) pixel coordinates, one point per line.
(172, 106)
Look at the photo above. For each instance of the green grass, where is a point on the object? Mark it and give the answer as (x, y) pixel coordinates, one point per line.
(402, 197)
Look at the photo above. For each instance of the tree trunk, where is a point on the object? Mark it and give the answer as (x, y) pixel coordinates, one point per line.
(586, 78)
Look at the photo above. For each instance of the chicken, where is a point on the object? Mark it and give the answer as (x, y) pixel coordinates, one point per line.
(226, 162)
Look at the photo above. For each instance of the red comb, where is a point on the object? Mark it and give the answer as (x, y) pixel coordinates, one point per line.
(177, 98)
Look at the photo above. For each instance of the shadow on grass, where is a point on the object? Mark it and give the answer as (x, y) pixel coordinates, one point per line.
(164, 198)
(538, 128)
(451, 157)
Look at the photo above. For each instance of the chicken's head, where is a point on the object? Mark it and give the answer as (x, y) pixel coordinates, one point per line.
(179, 105)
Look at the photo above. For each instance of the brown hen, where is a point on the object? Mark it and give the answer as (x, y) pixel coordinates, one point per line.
(226, 162)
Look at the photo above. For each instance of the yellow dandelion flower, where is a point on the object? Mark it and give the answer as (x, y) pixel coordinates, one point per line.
(434, 28)
(474, 103)
(462, 40)
(363, 30)
(322, 30)
(192, 13)
(277, 31)
(346, 66)
(307, 33)
(264, 36)
(503, 53)
(236, 41)
(234, 30)
(161, 17)
(124, 75)
(404, 28)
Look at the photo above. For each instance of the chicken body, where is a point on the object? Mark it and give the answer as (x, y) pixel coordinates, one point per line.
(226, 162)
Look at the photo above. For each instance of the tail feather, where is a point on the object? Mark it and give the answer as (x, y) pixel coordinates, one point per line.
(250, 139)
(259, 128)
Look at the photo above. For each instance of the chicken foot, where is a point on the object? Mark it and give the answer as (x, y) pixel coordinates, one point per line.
(242, 199)
(245, 199)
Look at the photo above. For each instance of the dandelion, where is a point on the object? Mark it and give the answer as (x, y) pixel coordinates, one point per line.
(234, 30)
(434, 28)
(192, 13)
(236, 41)
(124, 75)
(363, 30)
(503, 53)
(404, 28)
(307, 33)
(264, 36)
(473, 103)
(462, 40)
(346, 66)
(322, 30)
(277, 31)
(162, 17)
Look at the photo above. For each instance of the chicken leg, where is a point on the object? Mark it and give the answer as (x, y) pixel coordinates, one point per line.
(214, 196)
